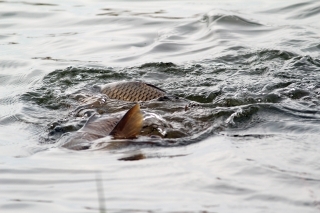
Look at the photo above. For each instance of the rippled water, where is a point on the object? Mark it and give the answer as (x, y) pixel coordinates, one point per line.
(248, 142)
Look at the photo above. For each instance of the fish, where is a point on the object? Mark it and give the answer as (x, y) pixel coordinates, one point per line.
(132, 91)
(126, 127)
(132, 124)
(128, 91)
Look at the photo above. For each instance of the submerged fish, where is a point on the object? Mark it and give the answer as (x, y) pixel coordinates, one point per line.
(132, 91)
(127, 127)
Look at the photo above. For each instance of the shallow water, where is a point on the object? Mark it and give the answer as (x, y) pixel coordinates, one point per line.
(248, 143)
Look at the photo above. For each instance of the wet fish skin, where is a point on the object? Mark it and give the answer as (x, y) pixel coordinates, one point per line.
(130, 124)
(132, 91)
(127, 127)
(112, 93)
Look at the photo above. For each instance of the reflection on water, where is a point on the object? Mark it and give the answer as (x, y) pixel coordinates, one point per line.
(243, 134)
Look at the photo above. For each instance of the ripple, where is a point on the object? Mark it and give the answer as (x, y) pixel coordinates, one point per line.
(289, 8)
(300, 11)
(23, 14)
(308, 12)
(39, 4)
(245, 127)
(229, 20)
(12, 64)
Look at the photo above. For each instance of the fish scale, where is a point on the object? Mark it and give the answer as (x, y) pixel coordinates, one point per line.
(132, 91)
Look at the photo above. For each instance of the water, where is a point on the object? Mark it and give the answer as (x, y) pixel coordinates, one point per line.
(248, 143)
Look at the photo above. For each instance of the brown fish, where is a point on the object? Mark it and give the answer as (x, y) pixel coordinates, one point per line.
(127, 127)
(132, 91)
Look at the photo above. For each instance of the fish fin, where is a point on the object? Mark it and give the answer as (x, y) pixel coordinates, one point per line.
(150, 85)
(130, 124)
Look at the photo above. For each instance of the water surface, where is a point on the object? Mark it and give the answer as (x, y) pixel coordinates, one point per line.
(248, 143)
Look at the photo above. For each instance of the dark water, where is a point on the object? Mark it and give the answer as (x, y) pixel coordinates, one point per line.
(243, 136)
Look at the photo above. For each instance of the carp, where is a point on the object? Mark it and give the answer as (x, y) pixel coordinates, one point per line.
(126, 127)
(128, 91)
(132, 91)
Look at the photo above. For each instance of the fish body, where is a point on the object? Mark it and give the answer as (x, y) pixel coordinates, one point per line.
(128, 91)
(126, 127)
(132, 91)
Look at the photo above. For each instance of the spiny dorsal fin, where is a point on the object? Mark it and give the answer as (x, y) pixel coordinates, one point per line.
(130, 124)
